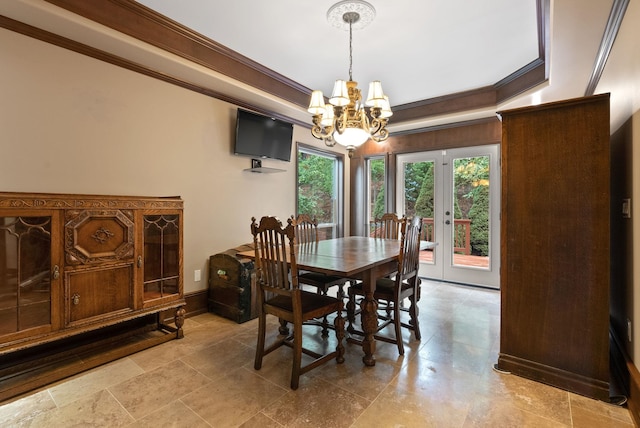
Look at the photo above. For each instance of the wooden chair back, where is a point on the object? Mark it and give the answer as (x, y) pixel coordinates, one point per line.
(387, 227)
(306, 229)
(409, 258)
(275, 259)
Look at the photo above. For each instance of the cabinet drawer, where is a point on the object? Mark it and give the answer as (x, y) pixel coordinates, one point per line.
(95, 292)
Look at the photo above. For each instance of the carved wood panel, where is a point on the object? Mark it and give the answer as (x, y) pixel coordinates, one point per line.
(98, 236)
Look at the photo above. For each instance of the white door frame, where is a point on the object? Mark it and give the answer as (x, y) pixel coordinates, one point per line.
(443, 267)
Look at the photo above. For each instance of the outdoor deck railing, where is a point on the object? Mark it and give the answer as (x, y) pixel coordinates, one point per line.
(461, 234)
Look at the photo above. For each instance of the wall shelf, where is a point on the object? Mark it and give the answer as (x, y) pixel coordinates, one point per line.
(256, 166)
(264, 170)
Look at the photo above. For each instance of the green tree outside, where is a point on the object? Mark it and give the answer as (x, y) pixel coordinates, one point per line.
(315, 186)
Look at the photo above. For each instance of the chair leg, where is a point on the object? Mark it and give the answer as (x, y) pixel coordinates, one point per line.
(297, 355)
(262, 327)
(283, 329)
(398, 327)
(351, 311)
(338, 323)
(325, 320)
(413, 313)
(325, 327)
(341, 294)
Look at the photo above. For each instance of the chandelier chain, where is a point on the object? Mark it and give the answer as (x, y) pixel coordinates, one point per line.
(350, 49)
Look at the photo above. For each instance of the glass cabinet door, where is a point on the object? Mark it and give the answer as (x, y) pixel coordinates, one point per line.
(161, 256)
(25, 273)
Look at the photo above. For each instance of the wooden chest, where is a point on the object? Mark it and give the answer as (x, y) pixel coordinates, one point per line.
(232, 287)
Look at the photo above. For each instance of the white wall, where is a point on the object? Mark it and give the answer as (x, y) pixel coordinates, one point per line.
(73, 124)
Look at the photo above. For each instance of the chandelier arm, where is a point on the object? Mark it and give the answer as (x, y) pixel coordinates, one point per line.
(376, 125)
(321, 132)
(339, 119)
(381, 136)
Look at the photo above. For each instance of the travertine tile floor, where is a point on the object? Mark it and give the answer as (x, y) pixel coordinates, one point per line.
(207, 380)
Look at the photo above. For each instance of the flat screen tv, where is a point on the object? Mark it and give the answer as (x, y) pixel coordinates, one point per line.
(263, 137)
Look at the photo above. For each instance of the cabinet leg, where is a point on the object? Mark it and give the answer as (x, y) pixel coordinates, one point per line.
(179, 319)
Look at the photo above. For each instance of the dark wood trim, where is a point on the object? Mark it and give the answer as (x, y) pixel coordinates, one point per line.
(89, 51)
(633, 403)
(138, 21)
(135, 20)
(196, 302)
(522, 80)
(554, 376)
(611, 31)
(460, 134)
(455, 103)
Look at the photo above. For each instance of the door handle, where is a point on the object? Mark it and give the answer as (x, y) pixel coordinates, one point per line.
(447, 222)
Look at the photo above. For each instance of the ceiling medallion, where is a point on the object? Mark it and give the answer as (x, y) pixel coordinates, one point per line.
(364, 10)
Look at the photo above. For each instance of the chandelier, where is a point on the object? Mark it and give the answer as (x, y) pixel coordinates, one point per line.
(344, 119)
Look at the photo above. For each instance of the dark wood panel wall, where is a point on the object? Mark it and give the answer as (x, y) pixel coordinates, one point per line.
(463, 134)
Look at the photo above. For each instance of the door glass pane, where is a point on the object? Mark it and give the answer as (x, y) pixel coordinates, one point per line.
(25, 265)
(470, 233)
(319, 185)
(419, 188)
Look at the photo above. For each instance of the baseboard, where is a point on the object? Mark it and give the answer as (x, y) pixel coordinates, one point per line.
(628, 376)
(589, 387)
(633, 401)
(196, 302)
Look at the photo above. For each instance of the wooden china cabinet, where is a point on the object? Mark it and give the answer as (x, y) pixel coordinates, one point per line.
(555, 267)
(84, 279)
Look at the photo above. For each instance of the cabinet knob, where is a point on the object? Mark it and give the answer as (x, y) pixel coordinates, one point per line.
(56, 272)
(139, 261)
(75, 299)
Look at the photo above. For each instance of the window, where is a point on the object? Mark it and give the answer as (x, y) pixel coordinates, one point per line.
(376, 198)
(320, 191)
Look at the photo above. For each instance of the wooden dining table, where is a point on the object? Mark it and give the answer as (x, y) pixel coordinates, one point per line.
(357, 257)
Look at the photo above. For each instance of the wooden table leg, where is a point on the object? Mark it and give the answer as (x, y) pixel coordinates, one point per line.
(369, 308)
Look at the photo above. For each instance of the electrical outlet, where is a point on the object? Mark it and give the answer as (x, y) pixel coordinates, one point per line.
(197, 275)
(629, 335)
(626, 208)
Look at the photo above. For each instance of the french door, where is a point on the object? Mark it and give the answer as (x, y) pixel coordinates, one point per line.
(456, 192)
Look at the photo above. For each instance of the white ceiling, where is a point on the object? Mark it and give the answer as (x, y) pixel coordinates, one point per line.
(419, 49)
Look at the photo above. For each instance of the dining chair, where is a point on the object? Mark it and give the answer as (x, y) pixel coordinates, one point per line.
(392, 291)
(388, 226)
(280, 295)
(307, 236)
